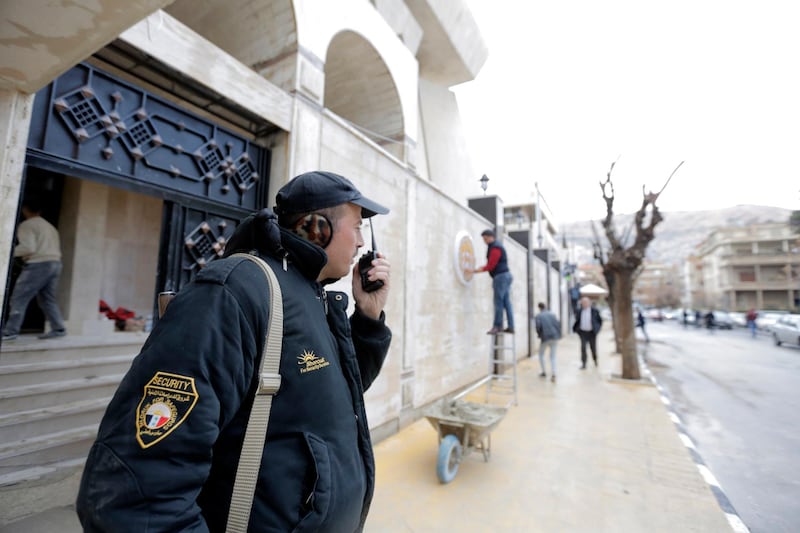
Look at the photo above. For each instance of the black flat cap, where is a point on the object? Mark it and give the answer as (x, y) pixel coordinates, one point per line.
(318, 190)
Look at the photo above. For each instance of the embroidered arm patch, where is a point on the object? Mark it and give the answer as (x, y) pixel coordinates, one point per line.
(167, 401)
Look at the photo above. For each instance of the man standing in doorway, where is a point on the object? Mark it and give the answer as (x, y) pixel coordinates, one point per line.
(587, 326)
(497, 267)
(40, 247)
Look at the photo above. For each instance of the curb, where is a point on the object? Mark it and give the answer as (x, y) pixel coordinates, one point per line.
(725, 504)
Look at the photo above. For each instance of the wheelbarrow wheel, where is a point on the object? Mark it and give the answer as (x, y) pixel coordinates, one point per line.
(449, 458)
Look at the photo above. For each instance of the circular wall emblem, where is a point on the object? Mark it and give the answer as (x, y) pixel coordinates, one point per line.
(464, 256)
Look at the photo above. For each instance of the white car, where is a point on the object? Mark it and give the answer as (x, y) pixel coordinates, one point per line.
(767, 319)
(787, 330)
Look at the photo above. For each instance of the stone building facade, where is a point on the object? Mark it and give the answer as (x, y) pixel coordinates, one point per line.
(739, 268)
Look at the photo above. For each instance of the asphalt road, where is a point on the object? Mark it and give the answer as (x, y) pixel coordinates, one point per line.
(739, 399)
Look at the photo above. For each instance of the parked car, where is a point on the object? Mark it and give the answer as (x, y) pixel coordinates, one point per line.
(739, 318)
(722, 320)
(654, 314)
(767, 319)
(787, 330)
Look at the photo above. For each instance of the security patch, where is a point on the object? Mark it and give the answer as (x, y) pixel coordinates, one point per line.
(168, 399)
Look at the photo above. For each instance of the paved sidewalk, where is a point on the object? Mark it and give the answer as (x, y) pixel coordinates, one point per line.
(584, 454)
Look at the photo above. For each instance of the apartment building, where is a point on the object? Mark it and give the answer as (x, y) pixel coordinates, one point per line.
(658, 285)
(737, 268)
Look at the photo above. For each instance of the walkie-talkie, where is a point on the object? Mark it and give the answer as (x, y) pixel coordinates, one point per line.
(365, 265)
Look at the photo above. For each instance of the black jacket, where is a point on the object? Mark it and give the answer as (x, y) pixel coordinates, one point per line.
(597, 321)
(196, 376)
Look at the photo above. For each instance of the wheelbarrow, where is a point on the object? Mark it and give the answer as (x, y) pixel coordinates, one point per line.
(463, 427)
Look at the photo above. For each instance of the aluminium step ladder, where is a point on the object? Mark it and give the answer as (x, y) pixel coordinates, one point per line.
(502, 377)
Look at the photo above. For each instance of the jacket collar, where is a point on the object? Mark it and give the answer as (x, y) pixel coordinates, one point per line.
(308, 258)
(260, 232)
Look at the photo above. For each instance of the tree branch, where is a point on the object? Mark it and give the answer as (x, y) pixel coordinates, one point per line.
(597, 247)
(607, 187)
(669, 178)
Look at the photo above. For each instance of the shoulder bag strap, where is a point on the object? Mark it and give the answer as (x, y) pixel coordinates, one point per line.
(269, 382)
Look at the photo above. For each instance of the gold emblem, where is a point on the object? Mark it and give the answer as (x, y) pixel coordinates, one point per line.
(309, 362)
(167, 401)
(464, 257)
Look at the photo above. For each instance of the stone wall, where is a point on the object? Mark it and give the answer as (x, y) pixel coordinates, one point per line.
(439, 323)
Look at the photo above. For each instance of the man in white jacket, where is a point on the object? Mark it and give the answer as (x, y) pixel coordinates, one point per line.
(40, 247)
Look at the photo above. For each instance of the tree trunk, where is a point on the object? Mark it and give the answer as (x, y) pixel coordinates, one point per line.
(623, 283)
(612, 306)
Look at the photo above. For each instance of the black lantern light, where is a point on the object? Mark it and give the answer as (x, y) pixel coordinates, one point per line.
(484, 183)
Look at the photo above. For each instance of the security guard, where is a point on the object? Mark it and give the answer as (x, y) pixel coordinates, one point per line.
(168, 447)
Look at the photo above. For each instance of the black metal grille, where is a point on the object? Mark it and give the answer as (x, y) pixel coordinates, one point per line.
(141, 134)
(84, 113)
(119, 129)
(211, 160)
(244, 177)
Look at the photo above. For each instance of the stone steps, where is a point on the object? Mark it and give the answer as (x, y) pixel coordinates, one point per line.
(36, 422)
(21, 374)
(44, 395)
(46, 450)
(52, 397)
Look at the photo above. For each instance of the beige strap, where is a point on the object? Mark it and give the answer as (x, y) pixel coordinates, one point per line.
(270, 381)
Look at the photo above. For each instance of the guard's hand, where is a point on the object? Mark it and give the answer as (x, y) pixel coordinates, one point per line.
(372, 303)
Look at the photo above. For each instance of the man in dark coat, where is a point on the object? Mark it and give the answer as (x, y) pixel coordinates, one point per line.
(168, 447)
(587, 325)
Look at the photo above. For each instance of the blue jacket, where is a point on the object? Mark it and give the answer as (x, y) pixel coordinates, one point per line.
(168, 446)
(548, 327)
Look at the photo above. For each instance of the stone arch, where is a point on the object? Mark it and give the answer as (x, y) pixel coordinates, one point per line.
(360, 88)
(262, 34)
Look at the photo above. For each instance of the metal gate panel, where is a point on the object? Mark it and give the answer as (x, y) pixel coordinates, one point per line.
(88, 118)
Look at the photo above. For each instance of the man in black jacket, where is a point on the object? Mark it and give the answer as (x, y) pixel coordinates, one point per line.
(587, 325)
(168, 447)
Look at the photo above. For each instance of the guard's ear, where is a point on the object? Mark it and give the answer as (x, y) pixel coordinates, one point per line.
(315, 228)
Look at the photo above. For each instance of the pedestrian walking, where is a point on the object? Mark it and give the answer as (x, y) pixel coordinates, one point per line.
(640, 321)
(39, 247)
(548, 329)
(587, 325)
(751, 321)
(709, 318)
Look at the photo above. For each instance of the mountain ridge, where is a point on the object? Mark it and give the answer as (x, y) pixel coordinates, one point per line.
(677, 235)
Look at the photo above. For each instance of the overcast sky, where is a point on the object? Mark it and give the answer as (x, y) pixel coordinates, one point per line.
(571, 85)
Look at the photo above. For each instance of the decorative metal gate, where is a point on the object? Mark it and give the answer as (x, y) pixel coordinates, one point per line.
(91, 125)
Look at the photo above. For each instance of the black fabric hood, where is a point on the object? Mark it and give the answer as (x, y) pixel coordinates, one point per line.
(260, 232)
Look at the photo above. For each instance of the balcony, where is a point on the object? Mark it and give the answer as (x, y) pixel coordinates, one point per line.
(771, 285)
(759, 259)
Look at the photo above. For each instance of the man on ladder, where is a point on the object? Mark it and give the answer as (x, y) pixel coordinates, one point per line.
(497, 267)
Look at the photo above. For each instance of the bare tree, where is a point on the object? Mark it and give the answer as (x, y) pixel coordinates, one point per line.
(621, 266)
(600, 255)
